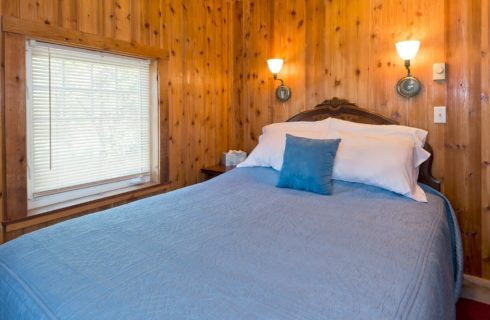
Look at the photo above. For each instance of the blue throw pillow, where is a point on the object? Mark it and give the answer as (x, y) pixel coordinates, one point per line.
(308, 164)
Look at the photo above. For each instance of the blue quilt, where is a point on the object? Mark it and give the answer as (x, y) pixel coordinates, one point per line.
(237, 247)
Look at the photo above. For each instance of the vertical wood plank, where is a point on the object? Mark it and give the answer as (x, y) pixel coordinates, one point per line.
(463, 140)
(361, 67)
(174, 15)
(227, 45)
(485, 138)
(211, 50)
(89, 16)
(196, 88)
(315, 65)
(136, 22)
(67, 14)
(256, 111)
(155, 23)
(15, 127)
(108, 18)
(122, 20)
(237, 130)
(45, 11)
(163, 100)
(436, 90)
(30, 10)
(144, 22)
(10, 8)
(3, 216)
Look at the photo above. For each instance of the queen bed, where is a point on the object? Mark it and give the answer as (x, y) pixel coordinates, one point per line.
(238, 247)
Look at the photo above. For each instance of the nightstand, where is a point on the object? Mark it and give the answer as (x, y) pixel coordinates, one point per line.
(216, 170)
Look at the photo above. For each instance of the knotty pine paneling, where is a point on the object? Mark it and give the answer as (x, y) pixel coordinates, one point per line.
(252, 83)
(347, 49)
(462, 183)
(197, 35)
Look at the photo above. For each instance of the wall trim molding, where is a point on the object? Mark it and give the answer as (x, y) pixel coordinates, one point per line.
(475, 288)
(42, 31)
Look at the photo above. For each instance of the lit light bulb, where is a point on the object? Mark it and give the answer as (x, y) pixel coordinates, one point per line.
(407, 50)
(275, 65)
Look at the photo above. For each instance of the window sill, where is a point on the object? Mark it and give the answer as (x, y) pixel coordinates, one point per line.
(89, 199)
(85, 205)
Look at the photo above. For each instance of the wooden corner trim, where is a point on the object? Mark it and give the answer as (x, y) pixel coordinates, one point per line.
(41, 31)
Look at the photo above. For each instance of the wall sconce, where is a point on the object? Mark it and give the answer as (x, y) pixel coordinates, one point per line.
(408, 86)
(283, 93)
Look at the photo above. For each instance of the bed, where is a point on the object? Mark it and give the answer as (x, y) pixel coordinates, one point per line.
(237, 247)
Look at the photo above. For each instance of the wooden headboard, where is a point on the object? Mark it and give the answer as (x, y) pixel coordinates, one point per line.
(343, 109)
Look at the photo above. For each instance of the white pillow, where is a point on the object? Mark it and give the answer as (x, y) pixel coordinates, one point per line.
(387, 156)
(418, 136)
(270, 150)
(382, 161)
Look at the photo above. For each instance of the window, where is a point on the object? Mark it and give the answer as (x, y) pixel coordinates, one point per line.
(91, 123)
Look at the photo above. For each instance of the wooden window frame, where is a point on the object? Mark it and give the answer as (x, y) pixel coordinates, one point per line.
(13, 38)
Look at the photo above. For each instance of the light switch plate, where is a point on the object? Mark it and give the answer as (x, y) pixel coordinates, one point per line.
(440, 114)
(439, 71)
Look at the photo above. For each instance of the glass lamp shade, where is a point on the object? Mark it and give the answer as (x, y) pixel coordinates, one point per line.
(407, 50)
(275, 65)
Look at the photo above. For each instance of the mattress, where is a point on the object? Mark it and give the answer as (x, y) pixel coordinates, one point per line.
(237, 247)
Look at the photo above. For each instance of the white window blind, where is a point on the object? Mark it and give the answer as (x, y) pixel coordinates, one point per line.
(88, 119)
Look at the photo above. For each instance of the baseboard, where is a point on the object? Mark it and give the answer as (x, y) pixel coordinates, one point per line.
(475, 288)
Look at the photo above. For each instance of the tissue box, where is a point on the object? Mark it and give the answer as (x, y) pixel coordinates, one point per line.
(233, 157)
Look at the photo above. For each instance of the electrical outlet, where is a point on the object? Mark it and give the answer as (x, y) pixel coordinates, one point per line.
(440, 114)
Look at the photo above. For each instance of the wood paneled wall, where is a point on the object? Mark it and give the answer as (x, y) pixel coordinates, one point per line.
(346, 49)
(196, 33)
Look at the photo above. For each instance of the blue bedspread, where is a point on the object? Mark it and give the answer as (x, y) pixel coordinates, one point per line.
(236, 247)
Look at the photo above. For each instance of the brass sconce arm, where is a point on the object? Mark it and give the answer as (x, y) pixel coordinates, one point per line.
(407, 66)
